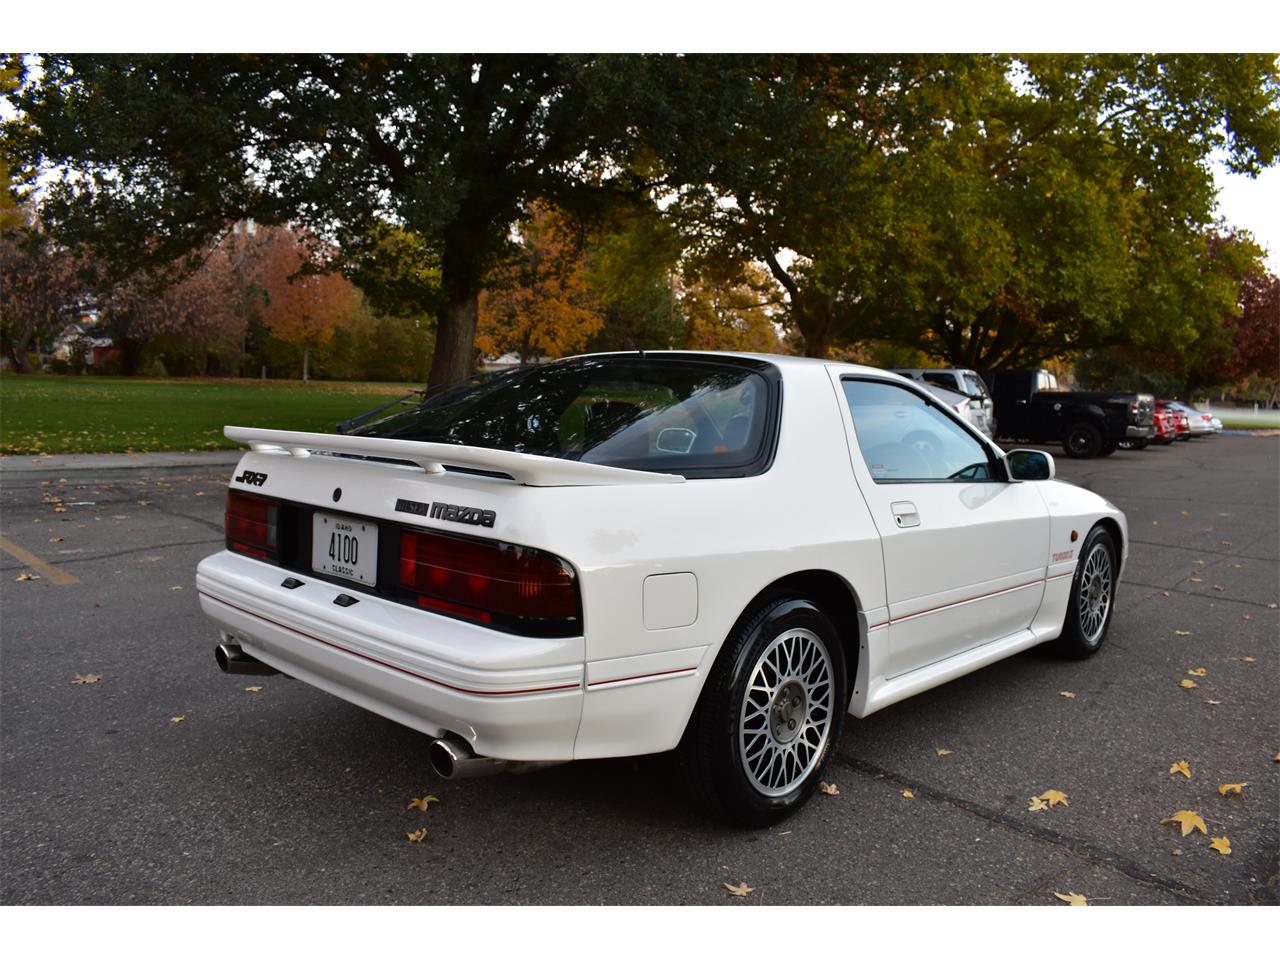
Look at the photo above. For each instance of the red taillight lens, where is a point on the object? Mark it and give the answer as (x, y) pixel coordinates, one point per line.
(494, 583)
(251, 525)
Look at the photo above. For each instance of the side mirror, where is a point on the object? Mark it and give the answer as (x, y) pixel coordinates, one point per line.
(1030, 465)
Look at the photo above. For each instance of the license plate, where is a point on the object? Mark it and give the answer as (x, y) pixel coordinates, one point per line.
(343, 547)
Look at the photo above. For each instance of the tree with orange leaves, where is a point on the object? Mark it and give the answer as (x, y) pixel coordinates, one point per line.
(540, 304)
(303, 307)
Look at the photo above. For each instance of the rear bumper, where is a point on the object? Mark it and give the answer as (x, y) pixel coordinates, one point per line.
(516, 698)
(1135, 432)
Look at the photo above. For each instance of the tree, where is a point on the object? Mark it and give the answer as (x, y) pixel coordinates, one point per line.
(200, 313)
(148, 158)
(733, 315)
(302, 307)
(539, 305)
(989, 209)
(40, 289)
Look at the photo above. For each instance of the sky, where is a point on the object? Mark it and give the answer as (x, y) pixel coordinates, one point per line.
(1253, 204)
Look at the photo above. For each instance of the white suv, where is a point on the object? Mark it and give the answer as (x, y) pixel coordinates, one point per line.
(981, 410)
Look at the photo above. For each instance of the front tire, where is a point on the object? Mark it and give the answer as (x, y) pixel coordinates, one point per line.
(1093, 597)
(769, 716)
(1082, 440)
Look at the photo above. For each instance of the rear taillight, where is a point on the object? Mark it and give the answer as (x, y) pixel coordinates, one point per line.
(251, 525)
(498, 584)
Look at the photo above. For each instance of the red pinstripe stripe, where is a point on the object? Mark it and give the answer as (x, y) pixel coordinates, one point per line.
(383, 663)
(956, 603)
(641, 676)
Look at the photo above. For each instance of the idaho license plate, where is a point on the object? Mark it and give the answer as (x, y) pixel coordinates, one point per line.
(343, 547)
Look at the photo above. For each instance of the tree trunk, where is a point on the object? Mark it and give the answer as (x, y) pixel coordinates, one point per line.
(453, 358)
(460, 271)
(306, 362)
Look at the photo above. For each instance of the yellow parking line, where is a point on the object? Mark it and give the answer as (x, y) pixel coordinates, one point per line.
(46, 569)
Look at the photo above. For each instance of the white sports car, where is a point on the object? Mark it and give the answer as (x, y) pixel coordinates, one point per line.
(629, 553)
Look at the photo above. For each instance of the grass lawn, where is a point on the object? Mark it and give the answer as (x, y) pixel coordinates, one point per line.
(68, 414)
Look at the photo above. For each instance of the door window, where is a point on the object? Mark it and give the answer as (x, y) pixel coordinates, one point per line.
(906, 439)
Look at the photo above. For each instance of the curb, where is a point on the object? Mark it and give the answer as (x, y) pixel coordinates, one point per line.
(104, 466)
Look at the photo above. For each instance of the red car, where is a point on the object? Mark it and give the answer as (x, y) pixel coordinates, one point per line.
(1166, 427)
(1181, 424)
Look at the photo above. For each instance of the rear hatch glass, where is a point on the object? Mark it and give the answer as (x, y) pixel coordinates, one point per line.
(669, 413)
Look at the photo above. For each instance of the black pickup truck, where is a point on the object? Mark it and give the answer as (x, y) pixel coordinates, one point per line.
(1030, 407)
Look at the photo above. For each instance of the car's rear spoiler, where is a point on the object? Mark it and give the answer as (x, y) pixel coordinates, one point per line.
(525, 468)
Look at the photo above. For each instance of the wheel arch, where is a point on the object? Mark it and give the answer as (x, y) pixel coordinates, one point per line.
(834, 595)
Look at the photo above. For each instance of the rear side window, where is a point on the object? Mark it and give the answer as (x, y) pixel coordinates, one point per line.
(947, 380)
(974, 386)
(670, 414)
(906, 439)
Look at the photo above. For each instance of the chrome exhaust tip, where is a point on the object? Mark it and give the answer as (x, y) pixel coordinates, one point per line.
(232, 659)
(453, 759)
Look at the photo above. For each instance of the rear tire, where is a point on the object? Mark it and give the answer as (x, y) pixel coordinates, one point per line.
(769, 716)
(1082, 440)
(1093, 596)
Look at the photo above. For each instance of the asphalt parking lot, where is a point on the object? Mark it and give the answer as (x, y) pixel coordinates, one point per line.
(168, 782)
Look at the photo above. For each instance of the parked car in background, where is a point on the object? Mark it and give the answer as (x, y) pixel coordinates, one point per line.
(620, 554)
(967, 407)
(1178, 419)
(1166, 431)
(982, 414)
(1030, 407)
(1201, 423)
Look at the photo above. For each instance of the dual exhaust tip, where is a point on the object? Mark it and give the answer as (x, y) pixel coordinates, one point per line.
(451, 757)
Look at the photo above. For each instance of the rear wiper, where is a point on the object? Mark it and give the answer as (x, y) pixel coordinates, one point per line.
(413, 397)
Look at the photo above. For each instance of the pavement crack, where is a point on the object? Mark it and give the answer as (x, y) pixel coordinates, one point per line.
(1077, 847)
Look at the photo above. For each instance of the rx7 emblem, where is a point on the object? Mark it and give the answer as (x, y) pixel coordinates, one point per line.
(252, 478)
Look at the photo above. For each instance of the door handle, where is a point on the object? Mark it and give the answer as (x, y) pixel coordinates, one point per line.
(905, 513)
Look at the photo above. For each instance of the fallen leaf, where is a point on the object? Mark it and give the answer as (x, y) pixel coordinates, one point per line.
(908, 794)
(1221, 844)
(252, 689)
(60, 539)
(1054, 797)
(738, 890)
(1213, 702)
(1037, 804)
(1272, 606)
(1074, 899)
(1197, 672)
(1164, 593)
(26, 576)
(1198, 562)
(144, 503)
(175, 588)
(942, 751)
(1236, 788)
(421, 803)
(1176, 851)
(1219, 587)
(417, 836)
(1187, 684)
(1186, 513)
(87, 678)
(1246, 616)
(1181, 767)
(1195, 579)
(176, 719)
(59, 509)
(1067, 693)
(1244, 659)
(1188, 820)
(1182, 633)
(830, 789)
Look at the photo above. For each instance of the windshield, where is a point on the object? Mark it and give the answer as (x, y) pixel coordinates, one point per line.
(666, 413)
